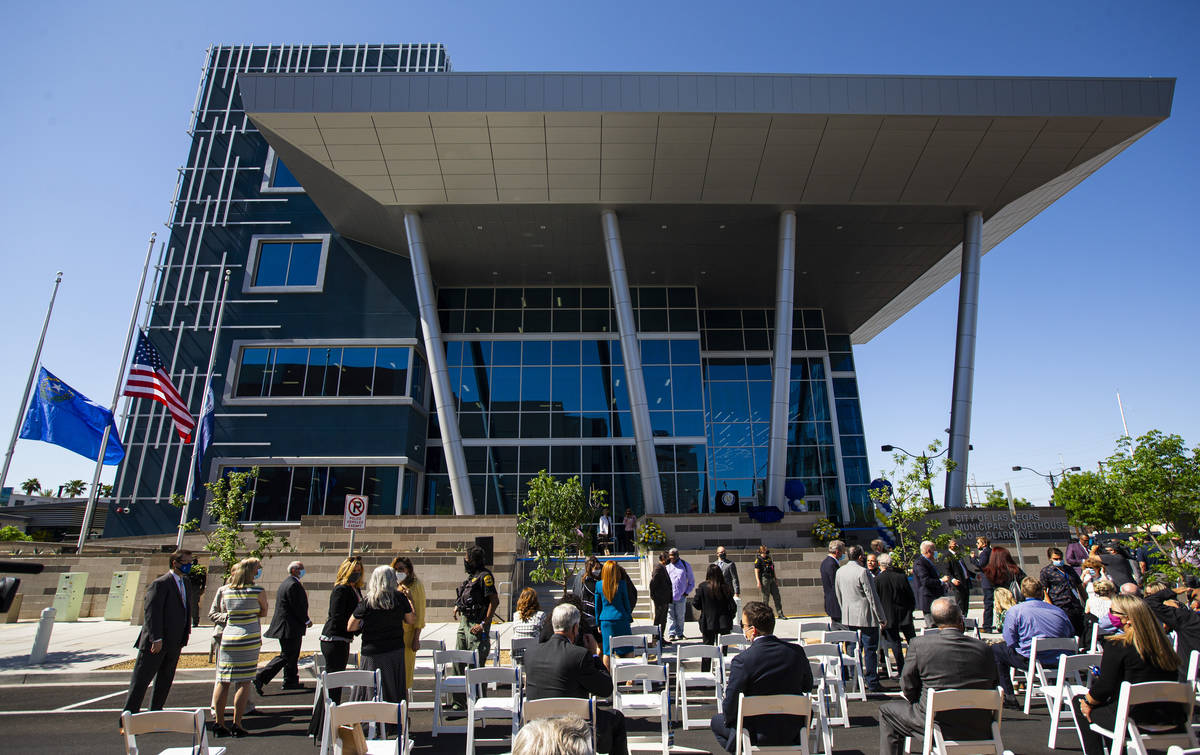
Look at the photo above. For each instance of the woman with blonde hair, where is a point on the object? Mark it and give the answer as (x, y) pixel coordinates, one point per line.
(1099, 602)
(335, 637)
(243, 603)
(1004, 600)
(382, 615)
(614, 610)
(1141, 654)
(414, 590)
(529, 618)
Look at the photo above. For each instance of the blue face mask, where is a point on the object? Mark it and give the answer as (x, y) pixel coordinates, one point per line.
(185, 568)
(258, 575)
(1056, 561)
(301, 574)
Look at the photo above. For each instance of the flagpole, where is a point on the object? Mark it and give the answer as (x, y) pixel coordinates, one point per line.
(112, 408)
(212, 358)
(37, 356)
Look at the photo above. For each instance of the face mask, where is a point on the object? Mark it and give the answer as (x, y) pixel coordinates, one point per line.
(258, 574)
(1117, 621)
(466, 567)
(356, 577)
(1091, 571)
(596, 573)
(401, 575)
(300, 575)
(1056, 561)
(721, 557)
(185, 568)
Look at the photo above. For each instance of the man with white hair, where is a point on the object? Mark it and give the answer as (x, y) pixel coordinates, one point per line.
(560, 668)
(288, 625)
(829, 569)
(928, 582)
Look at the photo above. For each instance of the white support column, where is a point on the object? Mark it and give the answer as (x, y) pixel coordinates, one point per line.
(964, 359)
(782, 374)
(435, 352)
(639, 406)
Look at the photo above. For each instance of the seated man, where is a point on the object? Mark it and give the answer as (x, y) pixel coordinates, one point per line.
(946, 659)
(560, 668)
(1033, 617)
(769, 666)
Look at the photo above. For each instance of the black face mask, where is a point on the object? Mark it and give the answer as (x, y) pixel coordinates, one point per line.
(467, 567)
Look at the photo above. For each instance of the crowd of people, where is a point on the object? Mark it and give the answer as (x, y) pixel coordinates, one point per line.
(1087, 588)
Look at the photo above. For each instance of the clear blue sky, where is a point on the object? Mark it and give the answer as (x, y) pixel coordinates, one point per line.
(1097, 293)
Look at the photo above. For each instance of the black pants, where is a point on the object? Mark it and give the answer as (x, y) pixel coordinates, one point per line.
(989, 613)
(660, 618)
(726, 739)
(157, 667)
(890, 639)
(288, 659)
(611, 736)
(1007, 658)
(337, 656)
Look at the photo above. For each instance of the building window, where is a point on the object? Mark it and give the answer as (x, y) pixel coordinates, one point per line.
(277, 179)
(326, 371)
(287, 264)
(286, 493)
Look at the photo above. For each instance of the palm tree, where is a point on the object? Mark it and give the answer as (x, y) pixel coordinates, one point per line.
(74, 488)
(31, 486)
(106, 491)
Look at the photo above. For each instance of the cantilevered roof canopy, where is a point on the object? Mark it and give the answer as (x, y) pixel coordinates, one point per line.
(509, 171)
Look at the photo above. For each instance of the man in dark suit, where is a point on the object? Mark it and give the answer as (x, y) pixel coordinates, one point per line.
(959, 584)
(829, 568)
(946, 659)
(165, 629)
(981, 558)
(929, 583)
(769, 666)
(560, 668)
(288, 625)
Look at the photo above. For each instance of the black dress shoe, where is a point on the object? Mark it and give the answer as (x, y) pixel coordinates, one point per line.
(296, 686)
(258, 686)
(220, 731)
(238, 732)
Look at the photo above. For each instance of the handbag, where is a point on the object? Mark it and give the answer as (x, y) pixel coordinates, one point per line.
(352, 739)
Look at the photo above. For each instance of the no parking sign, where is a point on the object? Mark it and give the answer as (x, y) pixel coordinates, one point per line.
(356, 513)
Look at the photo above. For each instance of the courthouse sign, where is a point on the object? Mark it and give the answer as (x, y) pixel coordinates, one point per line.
(1042, 523)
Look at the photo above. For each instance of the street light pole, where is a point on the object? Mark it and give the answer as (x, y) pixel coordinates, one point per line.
(1049, 477)
(924, 459)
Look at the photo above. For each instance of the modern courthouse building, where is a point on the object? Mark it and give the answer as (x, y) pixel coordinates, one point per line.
(444, 282)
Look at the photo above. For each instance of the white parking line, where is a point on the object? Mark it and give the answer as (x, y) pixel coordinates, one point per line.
(93, 700)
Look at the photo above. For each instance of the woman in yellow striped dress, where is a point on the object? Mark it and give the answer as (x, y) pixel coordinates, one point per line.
(243, 602)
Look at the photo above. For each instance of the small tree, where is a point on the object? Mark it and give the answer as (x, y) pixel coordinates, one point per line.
(31, 486)
(228, 500)
(1091, 500)
(996, 499)
(909, 519)
(551, 523)
(106, 491)
(12, 534)
(74, 488)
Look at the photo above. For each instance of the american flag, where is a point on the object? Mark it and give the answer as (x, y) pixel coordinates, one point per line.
(148, 378)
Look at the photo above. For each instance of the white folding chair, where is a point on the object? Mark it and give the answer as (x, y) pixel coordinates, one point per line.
(1177, 750)
(822, 732)
(190, 722)
(423, 670)
(493, 649)
(521, 646)
(686, 680)
(318, 665)
(831, 689)
(1094, 643)
(731, 645)
(356, 714)
(1036, 674)
(851, 644)
(644, 704)
(447, 682)
(371, 682)
(771, 705)
(938, 701)
(972, 626)
(653, 637)
(1193, 673)
(1071, 682)
(480, 708)
(1140, 738)
(625, 643)
(557, 707)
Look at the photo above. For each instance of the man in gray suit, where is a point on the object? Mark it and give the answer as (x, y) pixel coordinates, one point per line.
(945, 659)
(861, 610)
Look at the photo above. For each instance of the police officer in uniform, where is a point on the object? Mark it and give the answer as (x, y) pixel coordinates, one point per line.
(474, 608)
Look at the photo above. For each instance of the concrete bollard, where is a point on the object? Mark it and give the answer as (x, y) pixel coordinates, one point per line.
(41, 640)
